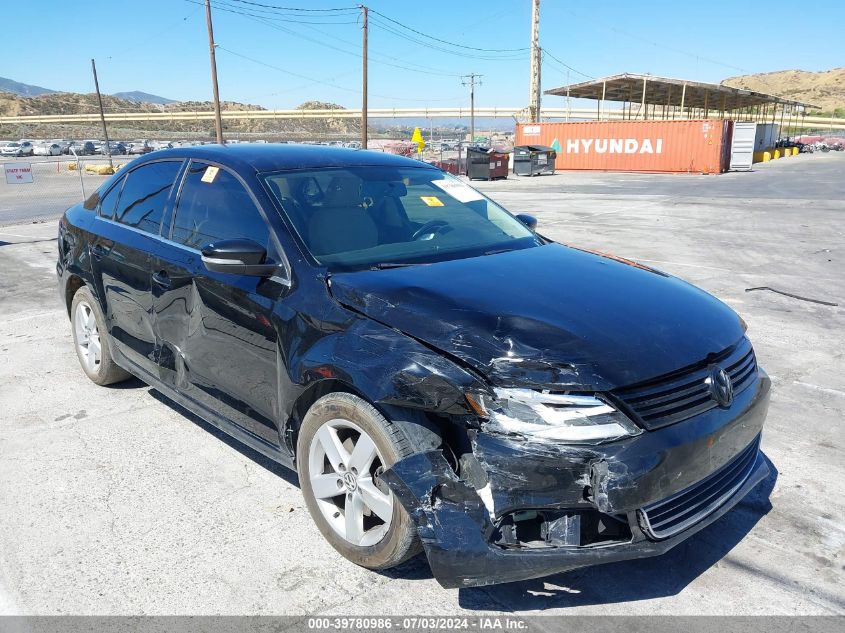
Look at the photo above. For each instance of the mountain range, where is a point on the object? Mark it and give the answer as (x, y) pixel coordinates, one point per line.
(28, 90)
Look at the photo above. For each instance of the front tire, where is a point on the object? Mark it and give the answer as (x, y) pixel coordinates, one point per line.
(344, 445)
(91, 340)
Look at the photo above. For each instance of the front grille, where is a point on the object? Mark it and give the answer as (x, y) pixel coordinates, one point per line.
(684, 394)
(676, 513)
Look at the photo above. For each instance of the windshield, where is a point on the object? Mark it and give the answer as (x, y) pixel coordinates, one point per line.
(366, 217)
(13, 145)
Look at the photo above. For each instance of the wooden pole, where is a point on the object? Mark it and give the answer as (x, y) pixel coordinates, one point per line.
(534, 88)
(218, 121)
(364, 88)
(102, 113)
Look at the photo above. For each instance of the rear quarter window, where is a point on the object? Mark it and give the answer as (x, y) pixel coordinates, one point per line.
(145, 195)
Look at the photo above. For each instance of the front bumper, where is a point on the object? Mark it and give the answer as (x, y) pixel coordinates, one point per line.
(458, 519)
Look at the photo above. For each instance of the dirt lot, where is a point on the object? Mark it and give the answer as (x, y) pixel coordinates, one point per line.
(115, 501)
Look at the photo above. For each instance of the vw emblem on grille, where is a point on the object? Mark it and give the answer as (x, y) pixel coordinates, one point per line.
(721, 387)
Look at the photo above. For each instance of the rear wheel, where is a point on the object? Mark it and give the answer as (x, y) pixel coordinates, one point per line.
(344, 445)
(91, 341)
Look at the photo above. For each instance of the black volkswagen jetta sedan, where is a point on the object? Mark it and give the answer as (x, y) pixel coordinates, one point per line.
(439, 374)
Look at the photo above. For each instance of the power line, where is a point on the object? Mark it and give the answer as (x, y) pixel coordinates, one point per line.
(156, 35)
(567, 66)
(263, 20)
(295, 18)
(437, 39)
(658, 44)
(273, 6)
(463, 54)
(319, 81)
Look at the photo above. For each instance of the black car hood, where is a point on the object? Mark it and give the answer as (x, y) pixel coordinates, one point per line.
(548, 317)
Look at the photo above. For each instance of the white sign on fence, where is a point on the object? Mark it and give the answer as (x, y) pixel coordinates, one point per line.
(18, 173)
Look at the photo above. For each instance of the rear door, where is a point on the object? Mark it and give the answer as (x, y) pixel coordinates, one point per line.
(127, 232)
(217, 342)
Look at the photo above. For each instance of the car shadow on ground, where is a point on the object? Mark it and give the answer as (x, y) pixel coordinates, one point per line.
(265, 462)
(629, 581)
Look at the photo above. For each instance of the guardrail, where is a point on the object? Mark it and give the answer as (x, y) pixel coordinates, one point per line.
(588, 114)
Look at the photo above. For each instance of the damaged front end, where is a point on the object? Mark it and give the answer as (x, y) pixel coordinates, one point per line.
(552, 482)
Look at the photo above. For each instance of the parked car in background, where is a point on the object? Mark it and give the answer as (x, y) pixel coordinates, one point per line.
(11, 148)
(139, 147)
(412, 349)
(116, 148)
(27, 148)
(62, 143)
(82, 148)
(47, 148)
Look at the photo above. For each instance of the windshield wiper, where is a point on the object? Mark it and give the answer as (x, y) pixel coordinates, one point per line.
(386, 265)
(499, 250)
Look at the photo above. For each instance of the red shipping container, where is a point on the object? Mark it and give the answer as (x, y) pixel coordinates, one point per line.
(700, 146)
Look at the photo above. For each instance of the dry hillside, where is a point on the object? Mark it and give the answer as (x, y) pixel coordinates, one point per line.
(825, 89)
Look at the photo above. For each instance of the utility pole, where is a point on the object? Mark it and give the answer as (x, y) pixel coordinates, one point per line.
(534, 89)
(218, 122)
(365, 11)
(102, 113)
(471, 80)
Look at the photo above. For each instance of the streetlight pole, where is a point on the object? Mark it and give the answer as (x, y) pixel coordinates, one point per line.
(471, 80)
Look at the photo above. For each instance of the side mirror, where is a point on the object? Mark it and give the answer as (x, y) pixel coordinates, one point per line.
(528, 220)
(237, 257)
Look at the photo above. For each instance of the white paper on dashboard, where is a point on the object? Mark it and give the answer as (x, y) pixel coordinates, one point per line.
(458, 190)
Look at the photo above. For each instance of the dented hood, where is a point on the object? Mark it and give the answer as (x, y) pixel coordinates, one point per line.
(549, 316)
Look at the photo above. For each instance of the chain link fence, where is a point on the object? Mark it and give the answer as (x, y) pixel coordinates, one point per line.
(39, 188)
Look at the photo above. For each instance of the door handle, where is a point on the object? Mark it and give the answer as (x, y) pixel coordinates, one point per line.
(162, 279)
(98, 251)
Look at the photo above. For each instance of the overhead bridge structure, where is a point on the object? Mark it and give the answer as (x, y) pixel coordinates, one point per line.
(516, 114)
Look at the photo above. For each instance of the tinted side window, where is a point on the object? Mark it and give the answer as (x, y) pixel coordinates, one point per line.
(108, 201)
(213, 206)
(145, 195)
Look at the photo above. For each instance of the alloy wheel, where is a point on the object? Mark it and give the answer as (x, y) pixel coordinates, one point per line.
(87, 337)
(344, 468)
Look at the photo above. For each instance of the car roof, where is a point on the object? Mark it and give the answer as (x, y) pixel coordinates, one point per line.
(265, 157)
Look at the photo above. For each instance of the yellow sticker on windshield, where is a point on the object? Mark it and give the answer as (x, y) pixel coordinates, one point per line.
(432, 201)
(210, 173)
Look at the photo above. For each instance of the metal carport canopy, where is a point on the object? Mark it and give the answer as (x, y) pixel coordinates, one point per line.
(665, 91)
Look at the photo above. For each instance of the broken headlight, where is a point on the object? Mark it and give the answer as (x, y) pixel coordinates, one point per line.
(553, 416)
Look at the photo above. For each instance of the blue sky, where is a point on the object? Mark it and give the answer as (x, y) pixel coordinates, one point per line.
(160, 46)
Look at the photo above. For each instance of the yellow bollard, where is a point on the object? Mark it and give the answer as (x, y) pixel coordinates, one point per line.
(776, 154)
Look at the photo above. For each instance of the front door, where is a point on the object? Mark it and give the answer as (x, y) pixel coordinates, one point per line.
(127, 232)
(216, 340)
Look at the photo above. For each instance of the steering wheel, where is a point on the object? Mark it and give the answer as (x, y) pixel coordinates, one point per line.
(431, 227)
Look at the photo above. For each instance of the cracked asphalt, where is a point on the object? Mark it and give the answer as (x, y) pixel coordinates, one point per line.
(116, 501)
